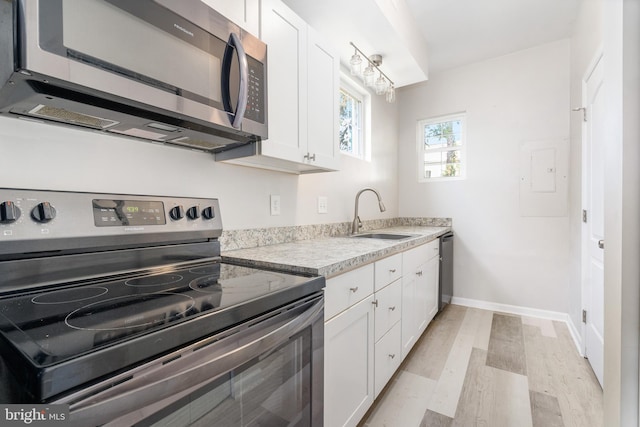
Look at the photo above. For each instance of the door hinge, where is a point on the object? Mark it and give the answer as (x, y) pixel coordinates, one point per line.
(584, 215)
(584, 316)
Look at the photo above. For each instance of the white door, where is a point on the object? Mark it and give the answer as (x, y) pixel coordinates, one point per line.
(593, 227)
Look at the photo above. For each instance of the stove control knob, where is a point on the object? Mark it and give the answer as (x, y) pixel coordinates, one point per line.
(9, 212)
(176, 213)
(208, 213)
(43, 212)
(193, 212)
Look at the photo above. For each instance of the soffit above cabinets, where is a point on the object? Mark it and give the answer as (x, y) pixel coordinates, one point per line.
(421, 37)
(383, 27)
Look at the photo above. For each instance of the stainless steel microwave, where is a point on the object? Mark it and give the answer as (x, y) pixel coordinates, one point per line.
(170, 71)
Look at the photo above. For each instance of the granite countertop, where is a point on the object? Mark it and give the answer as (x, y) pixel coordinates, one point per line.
(331, 256)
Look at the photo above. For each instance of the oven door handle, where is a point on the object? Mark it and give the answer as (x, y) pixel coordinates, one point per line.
(208, 363)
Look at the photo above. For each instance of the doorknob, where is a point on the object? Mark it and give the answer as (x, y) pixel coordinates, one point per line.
(601, 244)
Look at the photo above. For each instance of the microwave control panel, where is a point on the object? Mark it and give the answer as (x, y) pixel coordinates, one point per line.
(256, 102)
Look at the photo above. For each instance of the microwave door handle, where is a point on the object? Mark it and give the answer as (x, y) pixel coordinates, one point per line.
(235, 43)
(145, 390)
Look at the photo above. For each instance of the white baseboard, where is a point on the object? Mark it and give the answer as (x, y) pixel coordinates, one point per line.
(525, 311)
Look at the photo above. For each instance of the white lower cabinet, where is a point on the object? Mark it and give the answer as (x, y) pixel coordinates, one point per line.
(374, 315)
(349, 365)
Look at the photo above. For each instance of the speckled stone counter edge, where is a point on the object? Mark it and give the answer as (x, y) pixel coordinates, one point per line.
(255, 237)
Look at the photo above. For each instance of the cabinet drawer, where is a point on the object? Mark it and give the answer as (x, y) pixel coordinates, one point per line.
(411, 259)
(347, 289)
(387, 358)
(387, 270)
(388, 308)
(433, 248)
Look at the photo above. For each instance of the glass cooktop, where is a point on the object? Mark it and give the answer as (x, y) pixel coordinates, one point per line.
(56, 325)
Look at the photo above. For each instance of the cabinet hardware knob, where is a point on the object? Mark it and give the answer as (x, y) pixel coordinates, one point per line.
(601, 244)
(392, 308)
(393, 270)
(310, 157)
(375, 302)
(392, 356)
(354, 290)
(419, 273)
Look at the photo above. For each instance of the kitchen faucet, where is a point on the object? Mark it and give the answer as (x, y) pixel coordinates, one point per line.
(355, 227)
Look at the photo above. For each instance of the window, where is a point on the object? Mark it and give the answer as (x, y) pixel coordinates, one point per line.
(354, 106)
(441, 148)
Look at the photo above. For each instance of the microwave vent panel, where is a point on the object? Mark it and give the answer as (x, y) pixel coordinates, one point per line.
(197, 143)
(72, 117)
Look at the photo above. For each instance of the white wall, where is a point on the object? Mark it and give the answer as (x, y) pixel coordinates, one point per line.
(380, 173)
(500, 256)
(42, 156)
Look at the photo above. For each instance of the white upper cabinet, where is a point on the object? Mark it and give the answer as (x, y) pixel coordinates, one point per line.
(303, 87)
(286, 36)
(323, 85)
(245, 13)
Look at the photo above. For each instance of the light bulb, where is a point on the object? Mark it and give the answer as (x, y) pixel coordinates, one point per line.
(381, 85)
(368, 76)
(355, 63)
(391, 94)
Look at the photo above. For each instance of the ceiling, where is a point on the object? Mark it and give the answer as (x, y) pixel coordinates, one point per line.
(421, 37)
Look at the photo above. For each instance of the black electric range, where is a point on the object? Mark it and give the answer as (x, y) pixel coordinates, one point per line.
(95, 284)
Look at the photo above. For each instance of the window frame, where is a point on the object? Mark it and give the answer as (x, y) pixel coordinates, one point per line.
(421, 151)
(355, 90)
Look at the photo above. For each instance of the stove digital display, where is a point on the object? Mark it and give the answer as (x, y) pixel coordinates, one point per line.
(110, 213)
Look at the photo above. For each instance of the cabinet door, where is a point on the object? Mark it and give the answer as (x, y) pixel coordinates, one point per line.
(348, 365)
(408, 323)
(285, 34)
(432, 272)
(245, 13)
(322, 99)
(387, 357)
(421, 298)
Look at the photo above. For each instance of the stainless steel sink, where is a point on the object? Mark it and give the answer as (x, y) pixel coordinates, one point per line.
(384, 236)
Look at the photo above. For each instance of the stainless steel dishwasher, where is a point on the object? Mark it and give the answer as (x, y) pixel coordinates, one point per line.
(445, 288)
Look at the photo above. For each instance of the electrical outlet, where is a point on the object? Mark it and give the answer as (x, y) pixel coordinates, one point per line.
(275, 205)
(323, 207)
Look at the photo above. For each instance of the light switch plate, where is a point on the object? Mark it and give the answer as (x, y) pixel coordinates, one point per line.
(323, 207)
(275, 205)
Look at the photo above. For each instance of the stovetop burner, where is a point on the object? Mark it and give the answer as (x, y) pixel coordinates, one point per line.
(124, 312)
(66, 296)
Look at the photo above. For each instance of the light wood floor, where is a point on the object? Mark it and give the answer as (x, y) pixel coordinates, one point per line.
(481, 368)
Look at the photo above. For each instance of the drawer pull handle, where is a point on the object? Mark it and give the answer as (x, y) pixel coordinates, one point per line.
(354, 290)
(375, 302)
(393, 270)
(419, 273)
(392, 356)
(392, 308)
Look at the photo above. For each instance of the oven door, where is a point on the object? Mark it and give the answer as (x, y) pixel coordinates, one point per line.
(267, 370)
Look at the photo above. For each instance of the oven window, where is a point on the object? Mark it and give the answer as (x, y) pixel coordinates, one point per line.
(272, 390)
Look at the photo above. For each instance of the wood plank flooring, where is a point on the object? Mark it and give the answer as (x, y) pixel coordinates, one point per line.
(481, 368)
